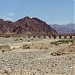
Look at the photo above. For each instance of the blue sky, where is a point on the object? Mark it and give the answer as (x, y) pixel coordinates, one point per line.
(51, 11)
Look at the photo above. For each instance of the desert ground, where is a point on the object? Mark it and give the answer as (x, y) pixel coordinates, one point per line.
(37, 56)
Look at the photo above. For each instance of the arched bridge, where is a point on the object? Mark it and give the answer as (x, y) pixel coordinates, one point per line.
(55, 36)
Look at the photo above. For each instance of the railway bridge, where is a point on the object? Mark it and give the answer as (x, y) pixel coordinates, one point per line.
(55, 36)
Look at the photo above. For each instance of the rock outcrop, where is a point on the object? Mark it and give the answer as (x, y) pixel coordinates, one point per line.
(24, 26)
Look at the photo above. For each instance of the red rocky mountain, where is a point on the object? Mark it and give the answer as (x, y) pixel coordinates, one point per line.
(24, 26)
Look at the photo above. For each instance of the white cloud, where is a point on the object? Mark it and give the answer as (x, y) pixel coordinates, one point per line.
(7, 18)
(11, 14)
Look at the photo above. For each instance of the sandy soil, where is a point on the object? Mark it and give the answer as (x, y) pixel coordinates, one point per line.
(37, 59)
(65, 51)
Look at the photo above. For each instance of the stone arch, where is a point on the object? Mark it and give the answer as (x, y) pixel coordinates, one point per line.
(70, 37)
(60, 36)
(44, 36)
(73, 36)
(49, 36)
(41, 36)
(36, 36)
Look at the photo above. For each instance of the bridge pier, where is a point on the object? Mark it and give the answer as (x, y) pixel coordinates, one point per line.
(54, 36)
(65, 37)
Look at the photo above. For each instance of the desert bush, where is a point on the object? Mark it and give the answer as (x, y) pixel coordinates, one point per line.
(68, 50)
(55, 43)
(5, 48)
(18, 38)
(28, 40)
(35, 46)
(43, 47)
(39, 46)
(26, 46)
(58, 53)
(62, 42)
(21, 39)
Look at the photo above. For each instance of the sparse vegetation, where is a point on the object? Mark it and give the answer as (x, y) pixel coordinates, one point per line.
(24, 55)
(68, 50)
(21, 39)
(62, 42)
(26, 46)
(5, 48)
(28, 40)
(35, 46)
(18, 38)
(58, 53)
(39, 46)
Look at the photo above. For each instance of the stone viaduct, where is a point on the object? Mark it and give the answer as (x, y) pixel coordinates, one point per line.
(55, 36)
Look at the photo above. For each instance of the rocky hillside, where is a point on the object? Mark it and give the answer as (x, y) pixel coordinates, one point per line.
(24, 26)
(69, 28)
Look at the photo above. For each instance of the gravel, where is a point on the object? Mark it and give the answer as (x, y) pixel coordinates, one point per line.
(38, 62)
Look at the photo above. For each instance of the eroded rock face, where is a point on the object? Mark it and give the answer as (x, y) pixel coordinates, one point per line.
(6, 27)
(24, 26)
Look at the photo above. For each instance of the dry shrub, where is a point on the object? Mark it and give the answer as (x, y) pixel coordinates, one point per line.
(5, 48)
(39, 46)
(58, 53)
(35, 46)
(21, 39)
(18, 38)
(62, 42)
(26, 46)
(69, 50)
(28, 40)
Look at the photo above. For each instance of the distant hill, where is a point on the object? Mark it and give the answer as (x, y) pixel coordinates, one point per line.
(68, 28)
(24, 26)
